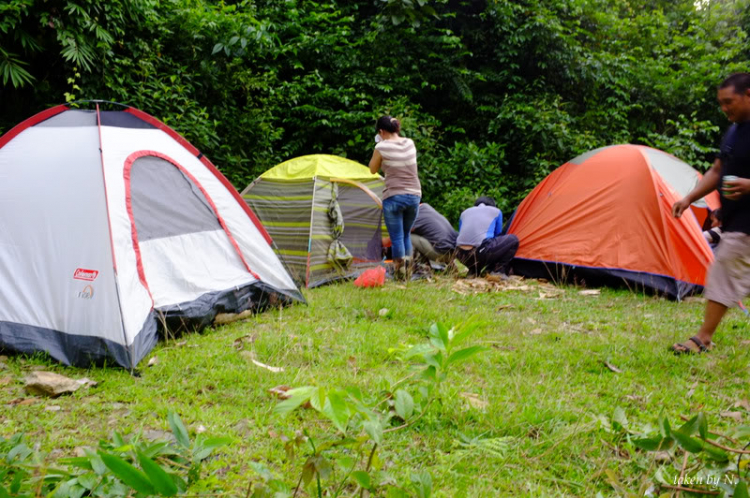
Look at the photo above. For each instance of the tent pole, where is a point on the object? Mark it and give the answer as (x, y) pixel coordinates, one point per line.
(309, 236)
(130, 349)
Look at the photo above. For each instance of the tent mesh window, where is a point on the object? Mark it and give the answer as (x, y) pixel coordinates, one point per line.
(160, 212)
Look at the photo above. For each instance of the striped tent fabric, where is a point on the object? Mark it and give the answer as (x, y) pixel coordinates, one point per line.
(293, 201)
(284, 210)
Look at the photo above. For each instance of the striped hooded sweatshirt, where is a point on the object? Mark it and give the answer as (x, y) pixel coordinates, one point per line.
(399, 164)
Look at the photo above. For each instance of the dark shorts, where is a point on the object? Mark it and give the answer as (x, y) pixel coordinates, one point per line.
(492, 256)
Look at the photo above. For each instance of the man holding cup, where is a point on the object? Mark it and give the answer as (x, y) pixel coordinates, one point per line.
(728, 280)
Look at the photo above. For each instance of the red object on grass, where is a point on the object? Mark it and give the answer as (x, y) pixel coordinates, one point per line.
(374, 277)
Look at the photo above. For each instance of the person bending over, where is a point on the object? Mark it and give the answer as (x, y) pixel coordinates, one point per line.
(480, 245)
(433, 236)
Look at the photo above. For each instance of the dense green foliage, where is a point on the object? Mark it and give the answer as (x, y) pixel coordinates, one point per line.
(495, 93)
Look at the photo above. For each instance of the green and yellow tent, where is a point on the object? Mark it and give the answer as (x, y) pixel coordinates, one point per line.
(324, 215)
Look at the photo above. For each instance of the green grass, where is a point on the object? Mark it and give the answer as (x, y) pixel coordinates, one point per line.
(543, 378)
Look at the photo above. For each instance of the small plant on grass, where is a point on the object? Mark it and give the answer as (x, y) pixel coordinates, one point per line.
(347, 463)
(706, 466)
(117, 468)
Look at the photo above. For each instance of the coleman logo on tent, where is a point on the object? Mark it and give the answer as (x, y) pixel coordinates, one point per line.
(87, 293)
(84, 274)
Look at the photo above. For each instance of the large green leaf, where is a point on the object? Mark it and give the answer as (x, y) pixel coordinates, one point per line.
(439, 336)
(374, 429)
(462, 332)
(296, 398)
(337, 410)
(740, 491)
(128, 474)
(653, 443)
(318, 399)
(204, 447)
(404, 404)
(79, 462)
(159, 478)
(620, 420)
(362, 478)
(664, 426)
(88, 480)
(686, 442)
(691, 426)
(702, 425)
(463, 354)
(418, 350)
(422, 484)
(178, 429)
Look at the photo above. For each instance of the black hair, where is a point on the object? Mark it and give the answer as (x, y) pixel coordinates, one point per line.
(708, 222)
(740, 82)
(389, 124)
(487, 201)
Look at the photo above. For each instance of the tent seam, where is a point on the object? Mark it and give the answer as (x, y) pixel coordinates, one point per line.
(129, 348)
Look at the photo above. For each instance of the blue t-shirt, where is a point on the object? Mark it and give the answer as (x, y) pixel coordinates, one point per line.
(479, 223)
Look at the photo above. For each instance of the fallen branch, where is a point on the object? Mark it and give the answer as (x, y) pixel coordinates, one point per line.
(734, 441)
(698, 491)
(682, 472)
(726, 448)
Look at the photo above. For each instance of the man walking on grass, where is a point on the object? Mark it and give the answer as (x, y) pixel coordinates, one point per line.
(728, 280)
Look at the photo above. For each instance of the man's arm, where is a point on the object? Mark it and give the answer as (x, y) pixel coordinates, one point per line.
(705, 186)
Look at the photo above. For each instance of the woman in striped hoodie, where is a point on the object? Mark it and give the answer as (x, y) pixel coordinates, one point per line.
(396, 156)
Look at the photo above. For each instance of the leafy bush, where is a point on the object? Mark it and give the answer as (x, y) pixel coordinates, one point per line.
(347, 459)
(118, 467)
(706, 463)
(495, 94)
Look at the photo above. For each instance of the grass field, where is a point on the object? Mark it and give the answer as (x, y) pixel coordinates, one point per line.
(557, 364)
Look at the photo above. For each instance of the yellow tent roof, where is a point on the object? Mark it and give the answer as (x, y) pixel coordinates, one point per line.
(318, 165)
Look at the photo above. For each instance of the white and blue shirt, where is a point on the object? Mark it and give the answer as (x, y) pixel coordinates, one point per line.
(479, 223)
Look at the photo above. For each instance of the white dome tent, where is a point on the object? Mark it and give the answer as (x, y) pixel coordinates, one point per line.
(111, 219)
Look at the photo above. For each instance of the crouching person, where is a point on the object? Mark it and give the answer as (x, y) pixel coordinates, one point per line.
(432, 236)
(480, 245)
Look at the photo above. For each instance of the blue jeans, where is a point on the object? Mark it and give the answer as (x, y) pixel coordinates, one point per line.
(400, 212)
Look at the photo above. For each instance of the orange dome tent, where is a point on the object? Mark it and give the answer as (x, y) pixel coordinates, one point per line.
(605, 217)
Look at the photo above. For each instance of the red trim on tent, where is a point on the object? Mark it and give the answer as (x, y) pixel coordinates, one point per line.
(35, 119)
(133, 230)
(128, 201)
(213, 169)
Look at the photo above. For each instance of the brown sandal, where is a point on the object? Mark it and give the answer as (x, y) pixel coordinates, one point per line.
(692, 346)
